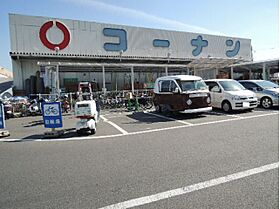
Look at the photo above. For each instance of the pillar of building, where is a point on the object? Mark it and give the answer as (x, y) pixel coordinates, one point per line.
(166, 70)
(57, 80)
(132, 79)
(46, 77)
(103, 80)
(264, 77)
(250, 74)
(231, 72)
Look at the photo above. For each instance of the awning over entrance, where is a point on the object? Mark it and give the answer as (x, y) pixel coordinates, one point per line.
(211, 63)
(197, 64)
(255, 65)
(190, 67)
(92, 64)
(267, 70)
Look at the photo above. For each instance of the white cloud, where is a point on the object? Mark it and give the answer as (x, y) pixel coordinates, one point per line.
(132, 13)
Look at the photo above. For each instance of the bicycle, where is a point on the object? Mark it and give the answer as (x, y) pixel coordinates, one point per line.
(51, 110)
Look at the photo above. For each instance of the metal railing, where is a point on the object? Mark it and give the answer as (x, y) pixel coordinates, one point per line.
(125, 99)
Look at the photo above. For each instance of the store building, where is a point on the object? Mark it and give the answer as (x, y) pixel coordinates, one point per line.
(266, 70)
(116, 57)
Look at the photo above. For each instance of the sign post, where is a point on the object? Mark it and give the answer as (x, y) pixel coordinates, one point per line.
(2, 117)
(52, 117)
(2, 122)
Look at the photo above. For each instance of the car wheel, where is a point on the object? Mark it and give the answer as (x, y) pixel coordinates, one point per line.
(92, 131)
(266, 102)
(226, 106)
(165, 109)
(158, 108)
(79, 132)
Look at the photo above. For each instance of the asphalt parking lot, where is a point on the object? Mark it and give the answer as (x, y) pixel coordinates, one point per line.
(117, 122)
(145, 160)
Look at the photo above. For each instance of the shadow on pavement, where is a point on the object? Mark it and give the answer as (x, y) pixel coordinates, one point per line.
(155, 117)
(34, 123)
(69, 133)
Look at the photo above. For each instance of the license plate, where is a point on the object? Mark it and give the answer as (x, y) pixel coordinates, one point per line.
(198, 95)
(246, 104)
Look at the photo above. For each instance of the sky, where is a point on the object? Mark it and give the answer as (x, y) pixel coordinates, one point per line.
(257, 20)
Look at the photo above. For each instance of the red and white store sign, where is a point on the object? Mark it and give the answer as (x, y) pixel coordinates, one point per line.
(73, 37)
(66, 35)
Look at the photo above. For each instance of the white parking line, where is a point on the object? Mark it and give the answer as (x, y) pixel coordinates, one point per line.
(114, 125)
(234, 116)
(113, 116)
(198, 124)
(140, 132)
(224, 114)
(191, 188)
(168, 118)
(114, 113)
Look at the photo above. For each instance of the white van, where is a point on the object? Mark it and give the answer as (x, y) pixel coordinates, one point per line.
(181, 93)
(230, 95)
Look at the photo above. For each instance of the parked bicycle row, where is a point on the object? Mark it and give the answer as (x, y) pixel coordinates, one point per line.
(169, 95)
(21, 106)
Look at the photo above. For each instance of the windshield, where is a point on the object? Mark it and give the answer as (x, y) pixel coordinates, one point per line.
(231, 85)
(267, 84)
(193, 85)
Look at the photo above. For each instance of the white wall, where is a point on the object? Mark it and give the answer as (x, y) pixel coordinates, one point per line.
(23, 69)
(87, 39)
(17, 74)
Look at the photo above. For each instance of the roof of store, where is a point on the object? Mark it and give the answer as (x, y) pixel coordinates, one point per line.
(201, 63)
(272, 63)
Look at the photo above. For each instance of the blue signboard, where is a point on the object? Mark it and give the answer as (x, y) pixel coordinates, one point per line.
(52, 114)
(2, 117)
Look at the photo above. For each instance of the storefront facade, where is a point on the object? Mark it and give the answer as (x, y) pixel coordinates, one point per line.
(116, 57)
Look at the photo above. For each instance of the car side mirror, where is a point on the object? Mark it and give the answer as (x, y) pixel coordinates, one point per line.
(259, 88)
(216, 90)
(176, 90)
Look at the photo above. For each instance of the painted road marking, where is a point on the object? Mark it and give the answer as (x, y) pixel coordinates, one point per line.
(142, 132)
(113, 113)
(224, 114)
(234, 116)
(114, 116)
(114, 125)
(168, 118)
(191, 188)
